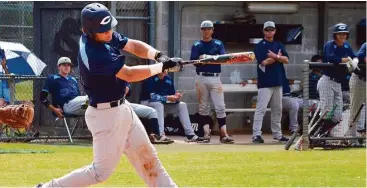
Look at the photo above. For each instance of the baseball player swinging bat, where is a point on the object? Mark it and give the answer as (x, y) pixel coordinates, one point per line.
(241, 57)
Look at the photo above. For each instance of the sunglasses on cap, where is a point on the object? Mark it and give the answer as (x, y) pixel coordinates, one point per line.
(269, 29)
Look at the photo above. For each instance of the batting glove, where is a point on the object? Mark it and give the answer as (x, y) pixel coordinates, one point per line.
(172, 65)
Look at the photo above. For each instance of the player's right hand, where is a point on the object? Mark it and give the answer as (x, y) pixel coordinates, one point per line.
(172, 65)
(58, 112)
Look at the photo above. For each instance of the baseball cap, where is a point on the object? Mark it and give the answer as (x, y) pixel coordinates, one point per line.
(269, 24)
(63, 60)
(206, 24)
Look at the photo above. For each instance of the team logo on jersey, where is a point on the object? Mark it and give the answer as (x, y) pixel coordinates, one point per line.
(106, 20)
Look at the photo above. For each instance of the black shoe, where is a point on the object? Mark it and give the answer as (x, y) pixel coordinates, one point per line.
(38, 185)
(281, 139)
(160, 139)
(257, 139)
(226, 140)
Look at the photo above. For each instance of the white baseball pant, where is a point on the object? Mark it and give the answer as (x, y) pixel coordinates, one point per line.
(179, 110)
(75, 106)
(117, 131)
(357, 97)
(274, 96)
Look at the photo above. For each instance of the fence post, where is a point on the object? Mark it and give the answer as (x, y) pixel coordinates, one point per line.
(305, 81)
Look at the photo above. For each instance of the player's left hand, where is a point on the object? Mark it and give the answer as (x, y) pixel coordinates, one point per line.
(160, 57)
(172, 65)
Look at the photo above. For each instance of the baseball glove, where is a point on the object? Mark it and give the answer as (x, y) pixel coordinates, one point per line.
(17, 116)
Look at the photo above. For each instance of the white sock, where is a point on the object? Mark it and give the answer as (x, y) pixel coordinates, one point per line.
(206, 129)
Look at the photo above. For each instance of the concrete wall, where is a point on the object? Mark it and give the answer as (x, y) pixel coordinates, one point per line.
(191, 14)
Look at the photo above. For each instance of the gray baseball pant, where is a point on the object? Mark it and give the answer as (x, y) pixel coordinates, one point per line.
(331, 93)
(274, 96)
(292, 105)
(179, 110)
(75, 106)
(210, 86)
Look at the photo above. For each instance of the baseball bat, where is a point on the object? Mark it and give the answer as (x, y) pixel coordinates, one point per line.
(241, 57)
(354, 119)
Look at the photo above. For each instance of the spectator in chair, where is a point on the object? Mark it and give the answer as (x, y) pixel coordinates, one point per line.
(149, 113)
(4, 87)
(64, 91)
(159, 93)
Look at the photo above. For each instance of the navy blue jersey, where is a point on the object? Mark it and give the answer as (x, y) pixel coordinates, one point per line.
(312, 88)
(155, 89)
(361, 57)
(273, 75)
(334, 54)
(98, 64)
(62, 89)
(213, 47)
(286, 88)
(2, 54)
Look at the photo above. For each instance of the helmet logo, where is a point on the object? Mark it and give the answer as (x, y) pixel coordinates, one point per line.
(342, 27)
(106, 20)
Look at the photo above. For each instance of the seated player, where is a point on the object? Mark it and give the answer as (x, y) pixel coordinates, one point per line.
(64, 91)
(149, 113)
(159, 93)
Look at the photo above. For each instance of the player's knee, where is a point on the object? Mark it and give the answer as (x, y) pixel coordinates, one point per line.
(220, 111)
(153, 114)
(156, 105)
(182, 105)
(102, 174)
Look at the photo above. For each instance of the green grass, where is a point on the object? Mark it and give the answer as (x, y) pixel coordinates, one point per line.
(24, 90)
(199, 165)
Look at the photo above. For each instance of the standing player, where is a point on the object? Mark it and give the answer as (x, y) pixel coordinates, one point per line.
(208, 83)
(271, 56)
(357, 85)
(114, 126)
(329, 86)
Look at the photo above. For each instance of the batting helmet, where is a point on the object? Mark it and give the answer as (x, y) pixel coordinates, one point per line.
(341, 28)
(96, 18)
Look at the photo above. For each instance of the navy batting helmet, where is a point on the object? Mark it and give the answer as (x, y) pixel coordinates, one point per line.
(96, 18)
(341, 28)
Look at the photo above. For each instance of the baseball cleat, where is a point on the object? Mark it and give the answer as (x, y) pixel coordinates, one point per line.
(226, 140)
(257, 139)
(193, 138)
(154, 139)
(281, 139)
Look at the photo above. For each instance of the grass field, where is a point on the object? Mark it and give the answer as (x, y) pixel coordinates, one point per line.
(199, 165)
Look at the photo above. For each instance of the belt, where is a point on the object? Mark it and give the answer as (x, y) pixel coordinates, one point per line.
(207, 74)
(108, 104)
(361, 77)
(334, 79)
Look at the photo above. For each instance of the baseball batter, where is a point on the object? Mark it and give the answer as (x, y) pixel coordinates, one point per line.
(270, 55)
(114, 126)
(357, 85)
(208, 83)
(329, 86)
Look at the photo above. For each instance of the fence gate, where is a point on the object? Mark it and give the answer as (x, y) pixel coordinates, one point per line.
(133, 18)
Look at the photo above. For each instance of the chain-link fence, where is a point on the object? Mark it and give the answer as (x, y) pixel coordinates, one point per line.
(16, 22)
(334, 112)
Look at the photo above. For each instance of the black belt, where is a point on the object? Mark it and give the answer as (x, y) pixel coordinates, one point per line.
(109, 105)
(334, 79)
(207, 74)
(361, 77)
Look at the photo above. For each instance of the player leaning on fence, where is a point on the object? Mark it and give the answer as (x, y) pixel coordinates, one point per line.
(329, 86)
(270, 57)
(357, 84)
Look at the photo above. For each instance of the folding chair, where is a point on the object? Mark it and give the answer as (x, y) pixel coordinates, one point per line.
(69, 116)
